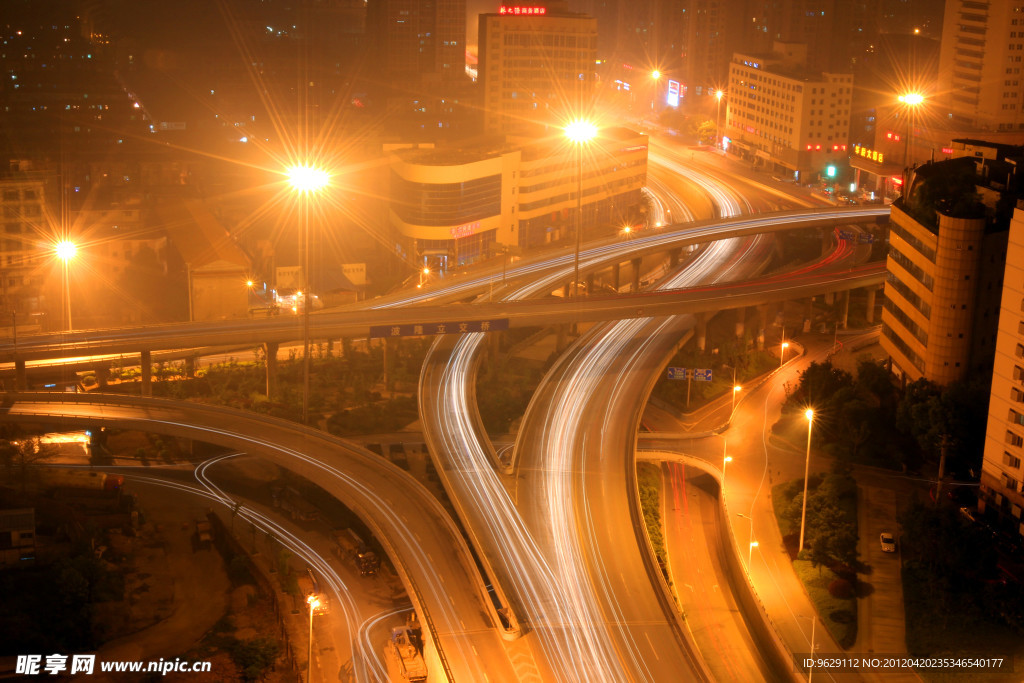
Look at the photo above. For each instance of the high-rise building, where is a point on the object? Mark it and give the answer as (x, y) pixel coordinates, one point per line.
(784, 116)
(980, 81)
(24, 269)
(947, 246)
(418, 66)
(1001, 473)
(536, 66)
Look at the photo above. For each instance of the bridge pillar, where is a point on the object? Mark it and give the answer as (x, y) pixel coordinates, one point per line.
(674, 256)
(616, 274)
(702, 331)
(762, 323)
(636, 274)
(590, 283)
(270, 353)
(20, 375)
(844, 313)
(102, 375)
(869, 314)
(830, 298)
(741, 322)
(565, 291)
(561, 337)
(190, 367)
(146, 360)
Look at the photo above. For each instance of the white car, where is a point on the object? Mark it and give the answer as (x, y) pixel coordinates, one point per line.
(888, 542)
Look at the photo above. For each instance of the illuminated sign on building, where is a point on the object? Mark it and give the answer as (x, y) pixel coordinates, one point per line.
(522, 10)
(869, 154)
(895, 137)
(947, 150)
(672, 99)
(465, 230)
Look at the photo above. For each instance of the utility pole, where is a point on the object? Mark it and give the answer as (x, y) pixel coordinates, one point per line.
(943, 451)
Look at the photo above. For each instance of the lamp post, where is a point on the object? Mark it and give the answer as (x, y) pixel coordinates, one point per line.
(718, 118)
(912, 100)
(751, 543)
(66, 250)
(750, 552)
(735, 390)
(655, 75)
(782, 353)
(580, 132)
(313, 603)
(726, 459)
(810, 670)
(306, 180)
(809, 414)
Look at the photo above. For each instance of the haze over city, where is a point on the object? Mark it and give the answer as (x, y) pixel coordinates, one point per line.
(395, 340)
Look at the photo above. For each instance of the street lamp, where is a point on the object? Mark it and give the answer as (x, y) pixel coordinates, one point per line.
(782, 353)
(655, 75)
(725, 461)
(912, 100)
(735, 390)
(809, 414)
(750, 552)
(810, 670)
(66, 250)
(579, 132)
(306, 180)
(718, 118)
(313, 603)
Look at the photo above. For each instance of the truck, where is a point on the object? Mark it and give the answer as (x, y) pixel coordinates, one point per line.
(406, 648)
(204, 533)
(292, 502)
(352, 546)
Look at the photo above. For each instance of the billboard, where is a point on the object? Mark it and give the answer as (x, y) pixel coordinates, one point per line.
(672, 99)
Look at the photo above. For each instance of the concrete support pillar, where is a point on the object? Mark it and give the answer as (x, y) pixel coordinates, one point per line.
(20, 376)
(844, 312)
(762, 323)
(566, 291)
(830, 298)
(741, 322)
(616, 274)
(190, 367)
(702, 331)
(674, 256)
(636, 274)
(869, 314)
(270, 352)
(590, 283)
(146, 360)
(561, 337)
(103, 375)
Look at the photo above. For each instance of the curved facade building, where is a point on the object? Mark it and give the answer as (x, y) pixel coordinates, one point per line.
(451, 207)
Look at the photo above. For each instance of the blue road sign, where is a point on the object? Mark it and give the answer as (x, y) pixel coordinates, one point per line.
(702, 374)
(426, 329)
(677, 373)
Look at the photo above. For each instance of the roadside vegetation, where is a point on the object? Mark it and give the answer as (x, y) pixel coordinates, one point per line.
(648, 478)
(827, 565)
(749, 365)
(960, 593)
(867, 419)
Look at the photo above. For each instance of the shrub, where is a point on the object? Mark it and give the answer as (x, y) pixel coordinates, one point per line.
(841, 588)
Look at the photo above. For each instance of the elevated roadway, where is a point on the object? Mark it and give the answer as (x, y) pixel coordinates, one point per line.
(427, 549)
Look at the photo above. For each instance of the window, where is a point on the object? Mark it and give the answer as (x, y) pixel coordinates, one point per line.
(1016, 417)
(1013, 439)
(1011, 460)
(1009, 482)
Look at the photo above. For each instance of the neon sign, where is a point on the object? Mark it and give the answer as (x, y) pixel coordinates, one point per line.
(673, 94)
(464, 230)
(505, 9)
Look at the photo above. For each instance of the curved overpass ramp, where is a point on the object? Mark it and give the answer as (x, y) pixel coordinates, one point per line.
(427, 549)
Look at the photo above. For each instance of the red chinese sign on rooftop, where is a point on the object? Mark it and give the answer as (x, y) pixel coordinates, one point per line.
(504, 9)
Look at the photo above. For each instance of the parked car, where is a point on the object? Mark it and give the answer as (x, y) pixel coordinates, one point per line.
(888, 542)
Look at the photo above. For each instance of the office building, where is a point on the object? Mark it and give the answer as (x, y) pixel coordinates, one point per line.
(536, 65)
(980, 82)
(783, 116)
(1001, 473)
(947, 240)
(450, 207)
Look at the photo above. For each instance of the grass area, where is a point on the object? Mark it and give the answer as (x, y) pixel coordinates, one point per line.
(838, 493)
(648, 478)
(838, 614)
